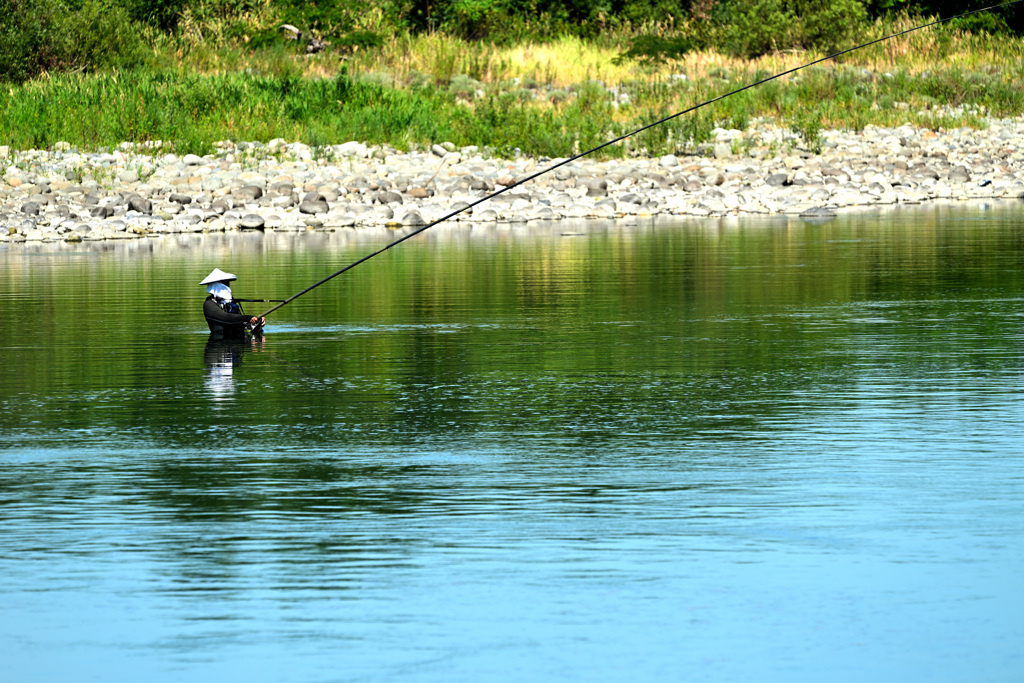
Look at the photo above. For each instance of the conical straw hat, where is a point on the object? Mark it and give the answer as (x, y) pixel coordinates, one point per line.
(218, 275)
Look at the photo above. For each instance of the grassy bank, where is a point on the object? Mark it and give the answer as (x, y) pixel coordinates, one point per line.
(545, 99)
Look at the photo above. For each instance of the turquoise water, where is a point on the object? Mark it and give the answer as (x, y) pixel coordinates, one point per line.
(740, 450)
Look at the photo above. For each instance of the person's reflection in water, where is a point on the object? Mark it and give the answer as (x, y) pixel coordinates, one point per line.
(222, 356)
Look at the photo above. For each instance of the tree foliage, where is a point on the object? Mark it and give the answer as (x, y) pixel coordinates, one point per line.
(52, 35)
(83, 35)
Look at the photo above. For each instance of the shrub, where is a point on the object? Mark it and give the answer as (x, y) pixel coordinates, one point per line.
(102, 35)
(984, 22)
(651, 50)
(359, 40)
(464, 86)
(829, 25)
(749, 29)
(20, 32)
(651, 13)
(161, 14)
(473, 18)
(807, 124)
(48, 35)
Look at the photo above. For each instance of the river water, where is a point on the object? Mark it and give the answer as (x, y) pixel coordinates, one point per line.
(757, 449)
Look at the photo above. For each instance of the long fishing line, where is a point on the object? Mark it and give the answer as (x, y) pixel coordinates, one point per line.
(623, 137)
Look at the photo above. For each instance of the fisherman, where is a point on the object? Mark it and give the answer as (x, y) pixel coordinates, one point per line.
(223, 313)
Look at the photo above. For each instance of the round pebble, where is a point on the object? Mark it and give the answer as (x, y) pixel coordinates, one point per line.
(43, 194)
(252, 221)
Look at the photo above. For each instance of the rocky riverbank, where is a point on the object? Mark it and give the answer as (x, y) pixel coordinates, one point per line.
(68, 195)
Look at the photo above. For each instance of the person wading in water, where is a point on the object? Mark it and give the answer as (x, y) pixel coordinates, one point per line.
(223, 313)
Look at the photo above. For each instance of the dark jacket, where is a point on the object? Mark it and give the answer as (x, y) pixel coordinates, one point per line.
(221, 318)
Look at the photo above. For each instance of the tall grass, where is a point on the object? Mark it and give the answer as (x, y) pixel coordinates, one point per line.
(192, 112)
(544, 99)
(570, 60)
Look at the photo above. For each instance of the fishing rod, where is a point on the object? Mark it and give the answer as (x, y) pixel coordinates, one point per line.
(620, 139)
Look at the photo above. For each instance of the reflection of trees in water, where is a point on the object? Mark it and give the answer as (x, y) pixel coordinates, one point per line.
(567, 352)
(217, 515)
(235, 486)
(516, 321)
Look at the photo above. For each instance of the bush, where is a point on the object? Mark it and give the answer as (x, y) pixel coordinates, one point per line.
(20, 32)
(358, 40)
(48, 36)
(749, 29)
(829, 25)
(331, 18)
(650, 13)
(653, 50)
(984, 22)
(161, 14)
(807, 124)
(474, 19)
(464, 86)
(101, 35)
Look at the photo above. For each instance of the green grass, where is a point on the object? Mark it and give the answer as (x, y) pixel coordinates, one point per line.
(192, 111)
(231, 75)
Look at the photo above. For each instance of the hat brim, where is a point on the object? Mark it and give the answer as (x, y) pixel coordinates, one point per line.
(218, 275)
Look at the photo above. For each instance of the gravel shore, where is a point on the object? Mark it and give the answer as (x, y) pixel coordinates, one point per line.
(67, 195)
